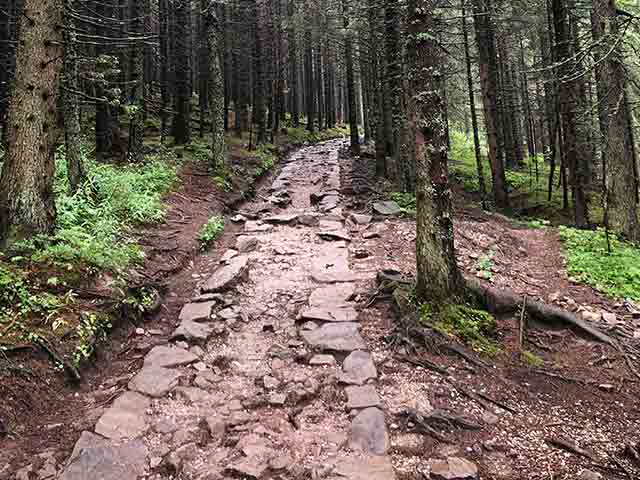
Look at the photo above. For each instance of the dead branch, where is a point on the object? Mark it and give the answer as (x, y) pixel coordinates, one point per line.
(422, 362)
(570, 446)
(70, 369)
(426, 422)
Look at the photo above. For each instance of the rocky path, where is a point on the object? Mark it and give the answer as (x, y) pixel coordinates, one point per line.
(266, 375)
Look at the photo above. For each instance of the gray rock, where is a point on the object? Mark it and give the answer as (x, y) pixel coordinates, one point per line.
(362, 397)
(453, 468)
(317, 197)
(341, 337)
(248, 468)
(277, 399)
(330, 225)
(330, 314)
(168, 357)
(193, 395)
(332, 295)
(93, 458)
(228, 255)
(357, 368)
(334, 277)
(387, 208)
(319, 359)
(270, 383)
(247, 244)
(182, 456)
(281, 462)
(196, 312)
(165, 425)
(369, 432)
(308, 220)
(256, 446)
(361, 219)
(126, 418)
(155, 381)
(228, 276)
(217, 428)
(490, 418)
(370, 235)
(193, 332)
(329, 202)
(590, 475)
(372, 468)
(282, 219)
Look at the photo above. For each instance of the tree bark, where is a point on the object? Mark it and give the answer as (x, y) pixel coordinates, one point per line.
(351, 81)
(27, 203)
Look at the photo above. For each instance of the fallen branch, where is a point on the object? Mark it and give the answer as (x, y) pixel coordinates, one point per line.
(425, 422)
(570, 446)
(424, 363)
(70, 370)
(482, 399)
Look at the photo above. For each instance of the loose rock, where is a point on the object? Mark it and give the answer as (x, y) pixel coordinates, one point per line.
(126, 418)
(168, 357)
(227, 276)
(196, 312)
(340, 337)
(155, 381)
(453, 468)
(388, 208)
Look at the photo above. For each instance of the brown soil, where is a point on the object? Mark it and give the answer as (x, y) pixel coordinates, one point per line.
(583, 391)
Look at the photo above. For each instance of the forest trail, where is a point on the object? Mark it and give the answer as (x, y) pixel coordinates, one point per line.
(282, 365)
(244, 389)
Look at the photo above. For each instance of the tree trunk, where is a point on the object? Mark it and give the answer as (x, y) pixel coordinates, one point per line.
(75, 168)
(215, 88)
(621, 188)
(182, 117)
(351, 81)
(438, 279)
(27, 203)
(485, 40)
(136, 95)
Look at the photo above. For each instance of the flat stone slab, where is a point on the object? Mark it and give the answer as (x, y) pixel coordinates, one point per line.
(228, 255)
(94, 458)
(197, 312)
(155, 381)
(193, 332)
(388, 208)
(362, 397)
(453, 468)
(329, 314)
(361, 219)
(329, 202)
(256, 227)
(283, 219)
(369, 432)
(373, 468)
(253, 468)
(333, 235)
(357, 368)
(246, 244)
(126, 418)
(330, 225)
(333, 277)
(228, 276)
(333, 295)
(339, 337)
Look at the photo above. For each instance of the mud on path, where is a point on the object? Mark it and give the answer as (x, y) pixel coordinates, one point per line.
(271, 362)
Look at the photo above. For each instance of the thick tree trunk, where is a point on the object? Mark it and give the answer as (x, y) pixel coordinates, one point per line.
(215, 88)
(136, 95)
(293, 66)
(27, 204)
(621, 188)
(309, 83)
(439, 279)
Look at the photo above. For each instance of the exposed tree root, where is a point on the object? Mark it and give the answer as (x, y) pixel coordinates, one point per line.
(426, 422)
(505, 301)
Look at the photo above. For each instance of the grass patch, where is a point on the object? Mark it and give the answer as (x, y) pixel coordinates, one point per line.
(470, 325)
(616, 274)
(210, 231)
(406, 201)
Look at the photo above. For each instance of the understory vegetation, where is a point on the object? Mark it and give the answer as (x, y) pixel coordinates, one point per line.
(210, 231)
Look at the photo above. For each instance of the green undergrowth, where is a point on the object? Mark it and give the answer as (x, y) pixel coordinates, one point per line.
(300, 136)
(484, 264)
(616, 274)
(531, 359)
(210, 231)
(470, 325)
(94, 224)
(406, 201)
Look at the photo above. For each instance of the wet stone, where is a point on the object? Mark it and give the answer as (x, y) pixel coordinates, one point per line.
(227, 276)
(155, 381)
(126, 418)
(341, 337)
(453, 468)
(388, 208)
(196, 312)
(168, 357)
(369, 432)
(362, 397)
(330, 314)
(357, 368)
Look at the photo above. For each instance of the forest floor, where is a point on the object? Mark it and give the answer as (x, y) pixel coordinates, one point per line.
(248, 395)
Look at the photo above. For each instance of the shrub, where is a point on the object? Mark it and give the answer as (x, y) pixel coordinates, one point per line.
(210, 231)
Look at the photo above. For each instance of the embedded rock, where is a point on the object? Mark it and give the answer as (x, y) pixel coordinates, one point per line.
(126, 418)
(196, 312)
(369, 432)
(155, 381)
(373, 468)
(357, 368)
(388, 208)
(362, 397)
(193, 332)
(330, 314)
(168, 357)
(341, 337)
(228, 276)
(333, 295)
(453, 468)
(247, 244)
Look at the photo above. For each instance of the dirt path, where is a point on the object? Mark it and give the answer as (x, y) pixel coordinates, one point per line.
(253, 381)
(279, 367)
